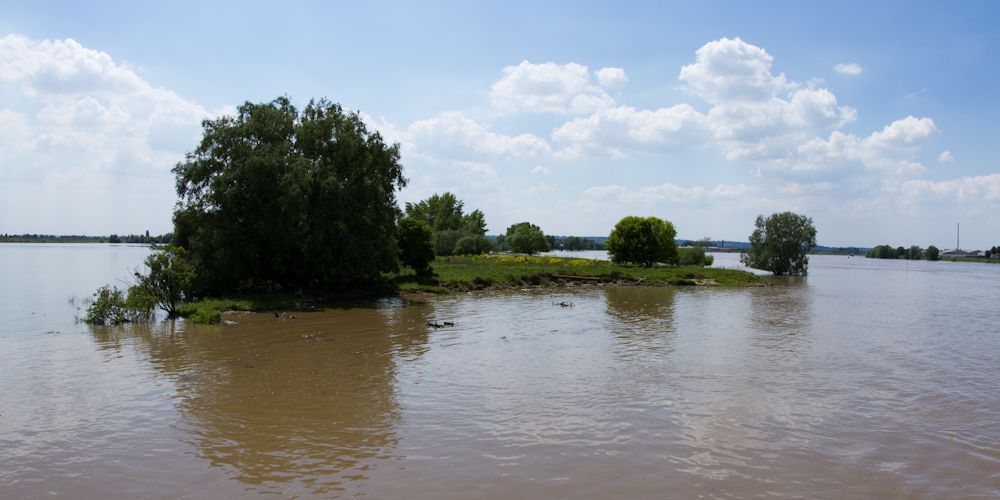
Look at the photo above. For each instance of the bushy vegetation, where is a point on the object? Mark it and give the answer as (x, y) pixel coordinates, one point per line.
(111, 306)
(693, 256)
(780, 243)
(164, 284)
(274, 197)
(576, 243)
(415, 247)
(525, 237)
(912, 253)
(642, 240)
(445, 216)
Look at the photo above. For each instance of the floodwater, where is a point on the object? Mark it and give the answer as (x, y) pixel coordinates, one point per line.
(865, 379)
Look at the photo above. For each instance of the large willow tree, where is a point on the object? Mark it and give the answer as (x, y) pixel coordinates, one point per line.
(274, 197)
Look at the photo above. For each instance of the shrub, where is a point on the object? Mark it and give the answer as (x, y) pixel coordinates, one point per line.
(642, 240)
(415, 246)
(473, 245)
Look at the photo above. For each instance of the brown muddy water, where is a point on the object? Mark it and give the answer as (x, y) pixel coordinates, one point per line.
(865, 379)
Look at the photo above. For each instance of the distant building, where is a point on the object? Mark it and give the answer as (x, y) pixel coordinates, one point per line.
(962, 254)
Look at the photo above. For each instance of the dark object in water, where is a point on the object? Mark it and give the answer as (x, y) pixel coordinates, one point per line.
(563, 304)
(448, 323)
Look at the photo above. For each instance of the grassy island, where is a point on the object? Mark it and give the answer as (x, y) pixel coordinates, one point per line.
(482, 272)
(476, 272)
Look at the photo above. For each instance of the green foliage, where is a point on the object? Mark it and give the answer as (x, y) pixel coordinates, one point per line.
(169, 275)
(643, 240)
(693, 256)
(933, 253)
(525, 237)
(272, 197)
(445, 241)
(780, 242)
(441, 212)
(473, 245)
(474, 223)
(881, 252)
(111, 306)
(415, 247)
(914, 253)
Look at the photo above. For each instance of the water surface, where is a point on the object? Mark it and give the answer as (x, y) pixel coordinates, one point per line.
(866, 378)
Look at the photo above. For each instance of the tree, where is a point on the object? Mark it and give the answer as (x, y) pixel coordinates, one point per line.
(169, 275)
(441, 212)
(445, 241)
(272, 197)
(780, 243)
(642, 240)
(914, 253)
(933, 253)
(525, 237)
(473, 244)
(474, 223)
(415, 247)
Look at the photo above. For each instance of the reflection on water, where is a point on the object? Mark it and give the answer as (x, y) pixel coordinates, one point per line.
(864, 379)
(287, 405)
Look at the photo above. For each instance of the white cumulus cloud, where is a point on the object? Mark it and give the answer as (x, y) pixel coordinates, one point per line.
(852, 69)
(455, 135)
(732, 70)
(612, 78)
(81, 117)
(946, 157)
(550, 88)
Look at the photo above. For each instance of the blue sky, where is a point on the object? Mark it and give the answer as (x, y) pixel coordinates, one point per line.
(876, 120)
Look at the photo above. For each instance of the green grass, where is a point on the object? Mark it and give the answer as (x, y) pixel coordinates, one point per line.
(513, 271)
(209, 311)
(479, 272)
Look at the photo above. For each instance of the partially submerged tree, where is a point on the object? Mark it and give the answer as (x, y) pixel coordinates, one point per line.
(780, 243)
(273, 196)
(169, 276)
(642, 240)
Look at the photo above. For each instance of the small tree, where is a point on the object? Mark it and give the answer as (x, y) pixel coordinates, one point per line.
(780, 243)
(525, 237)
(445, 241)
(473, 245)
(415, 247)
(169, 276)
(642, 240)
(933, 253)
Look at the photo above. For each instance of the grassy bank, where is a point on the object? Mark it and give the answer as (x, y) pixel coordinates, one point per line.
(209, 311)
(480, 272)
(511, 271)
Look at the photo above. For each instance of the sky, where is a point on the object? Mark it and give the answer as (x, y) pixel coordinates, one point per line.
(876, 119)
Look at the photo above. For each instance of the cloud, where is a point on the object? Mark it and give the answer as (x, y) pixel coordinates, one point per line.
(844, 153)
(551, 88)
(852, 69)
(613, 130)
(670, 193)
(946, 157)
(76, 113)
(455, 135)
(612, 78)
(601, 192)
(541, 187)
(965, 190)
(541, 170)
(732, 70)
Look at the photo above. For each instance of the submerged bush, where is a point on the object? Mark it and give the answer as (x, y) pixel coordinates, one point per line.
(111, 306)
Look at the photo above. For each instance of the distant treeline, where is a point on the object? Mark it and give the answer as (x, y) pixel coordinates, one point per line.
(912, 253)
(77, 238)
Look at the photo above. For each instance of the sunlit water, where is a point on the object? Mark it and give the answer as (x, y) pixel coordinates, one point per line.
(865, 379)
